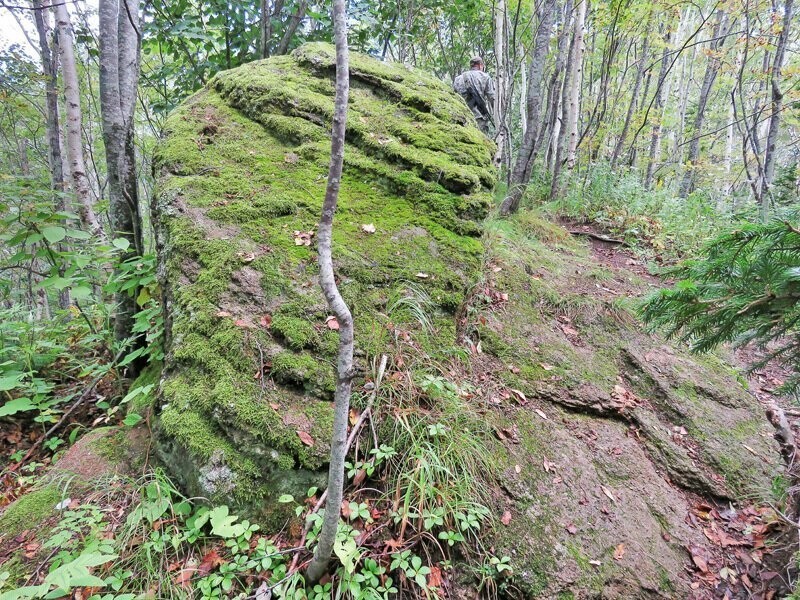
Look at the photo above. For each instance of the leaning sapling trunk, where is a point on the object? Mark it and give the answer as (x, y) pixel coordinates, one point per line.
(344, 363)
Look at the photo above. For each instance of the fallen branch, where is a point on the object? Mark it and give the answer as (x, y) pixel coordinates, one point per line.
(601, 238)
(65, 416)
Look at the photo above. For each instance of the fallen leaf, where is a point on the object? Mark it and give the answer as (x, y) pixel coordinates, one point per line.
(506, 518)
(291, 158)
(569, 330)
(346, 512)
(546, 367)
(596, 563)
(223, 313)
(698, 559)
(435, 577)
(274, 405)
(571, 529)
(520, 395)
(246, 257)
(541, 414)
(305, 438)
(360, 478)
(266, 321)
(619, 551)
(210, 562)
(517, 468)
(422, 275)
(368, 228)
(242, 323)
(332, 323)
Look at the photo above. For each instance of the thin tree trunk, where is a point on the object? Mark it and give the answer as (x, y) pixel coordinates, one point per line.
(344, 362)
(775, 117)
(119, 76)
(521, 174)
(575, 86)
(645, 56)
(52, 127)
(712, 68)
(662, 92)
(72, 97)
(291, 27)
(561, 138)
(263, 29)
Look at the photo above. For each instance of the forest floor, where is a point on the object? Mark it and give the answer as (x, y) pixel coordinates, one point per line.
(746, 551)
(760, 547)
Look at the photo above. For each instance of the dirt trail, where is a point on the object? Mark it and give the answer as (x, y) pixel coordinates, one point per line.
(748, 551)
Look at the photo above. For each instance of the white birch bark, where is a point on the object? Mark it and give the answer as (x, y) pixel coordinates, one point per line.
(74, 139)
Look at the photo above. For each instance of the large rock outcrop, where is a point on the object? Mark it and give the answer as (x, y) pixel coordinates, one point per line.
(249, 374)
(602, 436)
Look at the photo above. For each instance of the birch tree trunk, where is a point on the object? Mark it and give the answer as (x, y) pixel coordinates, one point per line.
(563, 124)
(120, 42)
(74, 125)
(575, 85)
(662, 92)
(327, 281)
(643, 59)
(777, 106)
(52, 127)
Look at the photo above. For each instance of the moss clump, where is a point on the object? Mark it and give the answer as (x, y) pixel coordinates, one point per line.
(243, 171)
(29, 511)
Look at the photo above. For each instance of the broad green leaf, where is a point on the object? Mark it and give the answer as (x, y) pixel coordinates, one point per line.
(121, 243)
(81, 292)
(10, 382)
(54, 234)
(12, 407)
(77, 234)
(132, 419)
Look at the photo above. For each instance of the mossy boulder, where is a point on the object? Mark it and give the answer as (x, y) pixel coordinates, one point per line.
(241, 177)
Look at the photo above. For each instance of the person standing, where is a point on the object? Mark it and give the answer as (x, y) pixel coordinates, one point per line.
(477, 88)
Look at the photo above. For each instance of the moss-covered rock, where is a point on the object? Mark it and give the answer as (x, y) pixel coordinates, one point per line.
(243, 166)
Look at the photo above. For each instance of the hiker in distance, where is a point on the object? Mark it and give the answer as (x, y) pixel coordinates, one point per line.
(477, 88)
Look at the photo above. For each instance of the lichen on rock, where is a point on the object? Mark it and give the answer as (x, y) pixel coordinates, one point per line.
(242, 172)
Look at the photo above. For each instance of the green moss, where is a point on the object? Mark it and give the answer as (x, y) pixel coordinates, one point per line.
(298, 333)
(30, 510)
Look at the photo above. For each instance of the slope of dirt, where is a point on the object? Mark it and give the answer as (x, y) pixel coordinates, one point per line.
(633, 469)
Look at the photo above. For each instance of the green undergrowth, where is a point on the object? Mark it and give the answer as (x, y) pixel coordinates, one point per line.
(655, 222)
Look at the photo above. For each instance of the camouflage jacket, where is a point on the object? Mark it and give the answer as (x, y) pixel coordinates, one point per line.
(480, 81)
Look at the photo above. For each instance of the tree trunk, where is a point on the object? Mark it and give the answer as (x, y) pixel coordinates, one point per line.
(575, 85)
(775, 117)
(120, 41)
(263, 29)
(327, 281)
(645, 56)
(661, 93)
(291, 27)
(712, 68)
(563, 125)
(521, 174)
(52, 127)
(74, 139)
